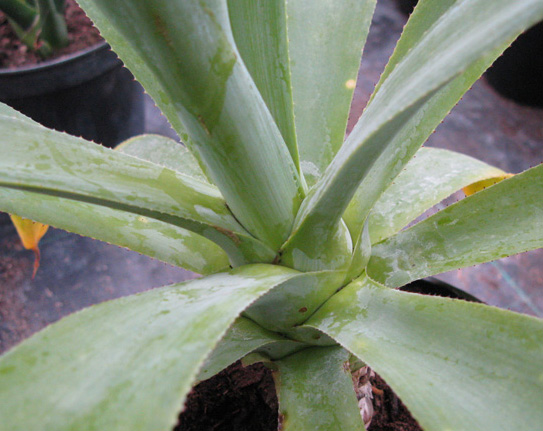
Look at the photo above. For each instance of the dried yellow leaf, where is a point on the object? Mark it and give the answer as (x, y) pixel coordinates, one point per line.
(30, 233)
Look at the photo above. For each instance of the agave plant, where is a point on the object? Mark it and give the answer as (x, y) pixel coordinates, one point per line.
(299, 234)
(40, 24)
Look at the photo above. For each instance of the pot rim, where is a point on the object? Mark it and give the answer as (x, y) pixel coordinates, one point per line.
(57, 74)
(48, 64)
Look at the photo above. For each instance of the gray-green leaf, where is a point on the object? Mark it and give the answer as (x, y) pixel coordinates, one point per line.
(125, 364)
(315, 391)
(502, 220)
(428, 178)
(460, 40)
(194, 73)
(55, 164)
(456, 365)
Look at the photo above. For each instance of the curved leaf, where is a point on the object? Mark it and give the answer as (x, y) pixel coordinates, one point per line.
(166, 152)
(125, 364)
(329, 248)
(194, 74)
(160, 240)
(481, 371)
(431, 176)
(293, 301)
(499, 221)
(260, 32)
(315, 391)
(304, 58)
(242, 338)
(361, 255)
(421, 125)
(384, 139)
(318, 233)
(325, 43)
(56, 164)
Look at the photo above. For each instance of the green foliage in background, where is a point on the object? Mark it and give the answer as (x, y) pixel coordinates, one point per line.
(40, 24)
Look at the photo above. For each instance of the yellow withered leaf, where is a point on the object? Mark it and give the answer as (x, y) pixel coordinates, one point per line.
(483, 184)
(30, 233)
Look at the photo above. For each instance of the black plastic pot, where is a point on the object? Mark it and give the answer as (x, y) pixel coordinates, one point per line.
(518, 73)
(407, 6)
(88, 94)
(435, 287)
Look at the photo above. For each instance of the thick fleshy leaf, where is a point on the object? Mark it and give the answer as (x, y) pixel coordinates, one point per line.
(160, 240)
(431, 176)
(315, 254)
(443, 56)
(293, 301)
(361, 254)
(456, 365)
(243, 338)
(304, 58)
(260, 32)
(325, 43)
(320, 241)
(164, 151)
(315, 391)
(421, 125)
(126, 364)
(56, 164)
(194, 73)
(177, 246)
(499, 221)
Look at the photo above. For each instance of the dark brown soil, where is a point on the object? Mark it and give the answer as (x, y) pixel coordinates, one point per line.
(237, 399)
(13, 315)
(81, 33)
(390, 413)
(244, 399)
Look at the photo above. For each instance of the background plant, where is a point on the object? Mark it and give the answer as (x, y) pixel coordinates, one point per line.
(312, 227)
(40, 24)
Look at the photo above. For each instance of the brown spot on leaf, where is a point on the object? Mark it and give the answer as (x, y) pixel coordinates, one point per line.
(161, 28)
(203, 124)
(229, 234)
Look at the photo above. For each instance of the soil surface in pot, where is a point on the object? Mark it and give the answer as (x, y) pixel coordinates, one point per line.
(81, 32)
(243, 399)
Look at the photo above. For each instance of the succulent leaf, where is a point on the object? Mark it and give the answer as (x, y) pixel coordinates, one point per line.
(141, 352)
(315, 391)
(429, 177)
(194, 72)
(499, 221)
(455, 364)
(464, 36)
(55, 164)
(245, 337)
